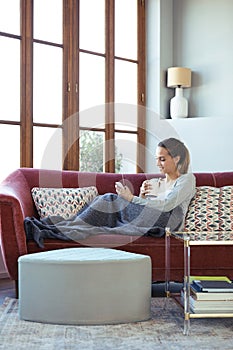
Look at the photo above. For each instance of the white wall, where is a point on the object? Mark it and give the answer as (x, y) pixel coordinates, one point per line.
(209, 141)
(202, 40)
(195, 34)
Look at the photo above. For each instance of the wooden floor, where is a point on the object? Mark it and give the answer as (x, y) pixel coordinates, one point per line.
(7, 289)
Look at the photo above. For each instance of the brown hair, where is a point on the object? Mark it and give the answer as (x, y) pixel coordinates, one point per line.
(177, 148)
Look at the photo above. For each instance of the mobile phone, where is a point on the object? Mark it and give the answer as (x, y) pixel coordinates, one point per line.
(119, 184)
(123, 180)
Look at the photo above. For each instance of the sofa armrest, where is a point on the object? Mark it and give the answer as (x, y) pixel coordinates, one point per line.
(13, 239)
(15, 204)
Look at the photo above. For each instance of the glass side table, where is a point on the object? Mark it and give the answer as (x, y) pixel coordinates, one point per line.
(191, 239)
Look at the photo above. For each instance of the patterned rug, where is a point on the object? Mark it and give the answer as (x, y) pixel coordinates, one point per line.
(163, 331)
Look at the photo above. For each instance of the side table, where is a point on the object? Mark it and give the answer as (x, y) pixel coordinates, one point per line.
(191, 239)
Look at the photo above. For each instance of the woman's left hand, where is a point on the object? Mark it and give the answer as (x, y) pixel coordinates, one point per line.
(124, 192)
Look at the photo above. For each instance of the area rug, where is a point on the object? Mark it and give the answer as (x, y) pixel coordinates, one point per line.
(163, 331)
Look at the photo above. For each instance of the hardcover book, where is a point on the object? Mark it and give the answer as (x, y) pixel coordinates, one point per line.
(209, 306)
(213, 286)
(198, 295)
(210, 278)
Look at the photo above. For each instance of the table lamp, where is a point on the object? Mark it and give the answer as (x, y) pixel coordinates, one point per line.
(179, 78)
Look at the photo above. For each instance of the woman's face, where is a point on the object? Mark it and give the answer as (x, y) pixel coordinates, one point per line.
(165, 163)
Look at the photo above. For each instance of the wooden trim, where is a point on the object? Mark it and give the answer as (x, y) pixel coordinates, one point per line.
(109, 85)
(141, 88)
(75, 57)
(10, 122)
(44, 42)
(44, 125)
(74, 78)
(126, 59)
(94, 53)
(66, 70)
(26, 85)
(9, 35)
(66, 26)
(70, 85)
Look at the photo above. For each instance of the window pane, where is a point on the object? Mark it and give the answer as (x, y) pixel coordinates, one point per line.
(10, 79)
(10, 16)
(92, 25)
(126, 116)
(125, 82)
(48, 20)
(47, 91)
(92, 81)
(126, 146)
(47, 148)
(10, 141)
(93, 117)
(126, 28)
(91, 151)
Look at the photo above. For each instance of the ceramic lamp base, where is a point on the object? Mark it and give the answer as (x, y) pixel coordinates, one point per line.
(179, 105)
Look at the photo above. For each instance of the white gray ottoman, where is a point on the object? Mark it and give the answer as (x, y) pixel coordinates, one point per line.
(84, 286)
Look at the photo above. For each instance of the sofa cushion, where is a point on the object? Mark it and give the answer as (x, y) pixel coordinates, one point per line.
(64, 202)
(211, 209)
(203, 214)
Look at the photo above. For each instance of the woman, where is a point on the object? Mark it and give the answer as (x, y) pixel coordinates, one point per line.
(162, 203)
(177, 187)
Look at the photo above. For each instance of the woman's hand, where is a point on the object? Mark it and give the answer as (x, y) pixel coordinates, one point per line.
(145, 189)
(123, 191)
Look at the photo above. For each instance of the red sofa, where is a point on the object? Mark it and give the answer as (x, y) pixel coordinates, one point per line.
(16, 203)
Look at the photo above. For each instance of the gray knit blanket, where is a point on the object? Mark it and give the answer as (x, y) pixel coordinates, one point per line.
(106, 214)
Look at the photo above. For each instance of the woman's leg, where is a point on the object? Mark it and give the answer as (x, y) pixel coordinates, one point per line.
(106, 210)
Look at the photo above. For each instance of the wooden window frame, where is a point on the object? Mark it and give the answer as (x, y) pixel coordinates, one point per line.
(70, 125)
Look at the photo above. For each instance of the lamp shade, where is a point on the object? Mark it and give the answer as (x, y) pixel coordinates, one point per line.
(178, 77)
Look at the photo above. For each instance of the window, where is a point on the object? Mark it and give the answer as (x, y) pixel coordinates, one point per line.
(72, 87)
(47, 87)
(9, 86)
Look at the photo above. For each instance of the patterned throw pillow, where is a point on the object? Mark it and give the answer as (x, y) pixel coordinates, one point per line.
(203, 212)
(64, 202)
(226, 208)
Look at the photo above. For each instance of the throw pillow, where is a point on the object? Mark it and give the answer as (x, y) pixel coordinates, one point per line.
(203, 212)
(64, 202)
(226, 208)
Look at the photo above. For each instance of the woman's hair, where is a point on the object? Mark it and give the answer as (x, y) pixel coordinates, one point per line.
(177, 148)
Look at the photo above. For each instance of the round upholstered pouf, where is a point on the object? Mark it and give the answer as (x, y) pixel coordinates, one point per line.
(84, 286)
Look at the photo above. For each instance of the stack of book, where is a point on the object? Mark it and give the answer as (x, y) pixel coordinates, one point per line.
(210, 295)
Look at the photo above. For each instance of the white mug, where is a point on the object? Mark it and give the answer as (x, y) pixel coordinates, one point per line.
(155, 183)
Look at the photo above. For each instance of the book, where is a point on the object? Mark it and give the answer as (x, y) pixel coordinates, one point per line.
(210, 278)
(211, 310)
(213, 286)
(198, 295)
(208, 306)
(210, 294)
(211, 306)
